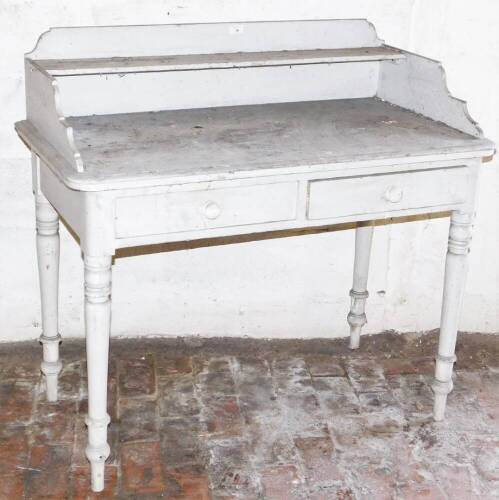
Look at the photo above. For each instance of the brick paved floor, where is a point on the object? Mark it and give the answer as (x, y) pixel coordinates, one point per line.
(247, 419)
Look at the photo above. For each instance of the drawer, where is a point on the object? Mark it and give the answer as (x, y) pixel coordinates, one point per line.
(387, 192)
(199, 210)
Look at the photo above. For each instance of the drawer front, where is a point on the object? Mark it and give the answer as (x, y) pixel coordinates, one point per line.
(387, 193)
(199, 210)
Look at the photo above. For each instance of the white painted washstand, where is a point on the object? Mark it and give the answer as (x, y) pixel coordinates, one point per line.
(153, 134)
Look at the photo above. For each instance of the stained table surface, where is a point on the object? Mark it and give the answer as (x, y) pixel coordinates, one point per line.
(215, 143)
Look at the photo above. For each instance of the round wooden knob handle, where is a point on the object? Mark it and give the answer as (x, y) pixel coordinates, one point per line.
(211, 210)
(394, 194)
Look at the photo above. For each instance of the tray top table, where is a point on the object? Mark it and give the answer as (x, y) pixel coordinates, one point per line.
(152, 134)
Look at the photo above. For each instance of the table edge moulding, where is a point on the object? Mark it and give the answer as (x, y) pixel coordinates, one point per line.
(159, 133)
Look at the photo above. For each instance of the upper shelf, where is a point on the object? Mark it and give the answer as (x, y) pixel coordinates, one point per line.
(185, 62)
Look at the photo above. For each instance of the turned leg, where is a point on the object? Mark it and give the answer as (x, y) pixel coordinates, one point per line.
(455, 276)
(47, 247)
(357, 317)
(97, 329)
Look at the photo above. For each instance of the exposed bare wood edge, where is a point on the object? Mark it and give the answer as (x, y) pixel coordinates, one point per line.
(267, 234)
(249, 233)
(53, 107)
(86, 66)
(50, 40)
(458, 118)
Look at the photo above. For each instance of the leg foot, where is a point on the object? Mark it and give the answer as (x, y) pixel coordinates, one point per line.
(97, 472)
(439, 407)
(356, 317)
(440, 391)
(455, 276)
(97, 450)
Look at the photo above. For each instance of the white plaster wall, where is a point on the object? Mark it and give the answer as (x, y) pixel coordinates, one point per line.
(291, 287)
